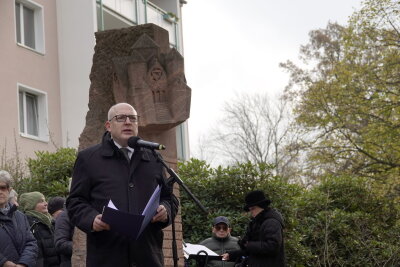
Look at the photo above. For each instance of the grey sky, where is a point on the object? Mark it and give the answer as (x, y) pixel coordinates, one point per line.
(236, 46)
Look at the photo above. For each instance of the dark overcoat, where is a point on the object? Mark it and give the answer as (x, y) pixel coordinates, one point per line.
(47, 255)
(17, 244)
(63, 234)
(101, 173)
(263, 242)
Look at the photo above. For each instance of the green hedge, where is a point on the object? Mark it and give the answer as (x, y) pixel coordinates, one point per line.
(339, 222)
(50, 173)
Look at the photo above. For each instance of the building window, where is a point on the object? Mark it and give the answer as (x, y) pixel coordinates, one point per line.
(32, 113)
(29, 25)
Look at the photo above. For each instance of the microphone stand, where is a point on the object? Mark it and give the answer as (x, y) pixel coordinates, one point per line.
(175, 178)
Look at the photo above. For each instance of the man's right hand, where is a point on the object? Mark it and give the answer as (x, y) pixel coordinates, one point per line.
(99, 225)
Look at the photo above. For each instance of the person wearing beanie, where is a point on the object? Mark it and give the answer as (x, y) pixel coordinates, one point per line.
(262, 245)
(18, 247)
(34, 206)
(221, 241)
(56, 206)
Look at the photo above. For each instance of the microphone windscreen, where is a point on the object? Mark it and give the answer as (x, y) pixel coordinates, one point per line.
(132, 141)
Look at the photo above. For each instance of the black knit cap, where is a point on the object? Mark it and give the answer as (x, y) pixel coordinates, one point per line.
(256, 198)
(55, 204)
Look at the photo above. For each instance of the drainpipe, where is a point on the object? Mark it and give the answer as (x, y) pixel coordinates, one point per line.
(136, 12)
(100, 2)
(176, 35)
(145, 11)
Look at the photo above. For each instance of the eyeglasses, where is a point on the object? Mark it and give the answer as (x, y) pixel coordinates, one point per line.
(3, 188)
(221, 227)
(122, 118)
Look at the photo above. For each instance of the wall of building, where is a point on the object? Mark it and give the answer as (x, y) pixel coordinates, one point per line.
(40, 71)
(77, 23)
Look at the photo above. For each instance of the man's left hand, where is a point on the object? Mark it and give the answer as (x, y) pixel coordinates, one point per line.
(161, 216)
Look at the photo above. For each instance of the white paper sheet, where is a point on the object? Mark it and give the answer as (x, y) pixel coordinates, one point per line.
(193, 249)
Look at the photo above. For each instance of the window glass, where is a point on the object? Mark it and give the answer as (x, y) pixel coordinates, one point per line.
(32, 114)
(21, 113)
(29, 24)
(18, 21)
(29, 27)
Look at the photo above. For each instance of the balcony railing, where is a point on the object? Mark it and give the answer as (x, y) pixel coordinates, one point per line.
(130, 10)
(161, 18)
(126, 8)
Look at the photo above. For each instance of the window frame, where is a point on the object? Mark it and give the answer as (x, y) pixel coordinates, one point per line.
(38, 16)
(42, 113)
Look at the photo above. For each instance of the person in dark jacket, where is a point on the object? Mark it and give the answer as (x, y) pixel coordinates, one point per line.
(34, 206)
(63, 230)
(63, 234)
(221, 241)
(56, 206)
(18, 247)
(112, 170)
(263, 242)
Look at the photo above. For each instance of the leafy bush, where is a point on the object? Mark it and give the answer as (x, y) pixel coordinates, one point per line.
(49, 173)
(222, 191)
(340, 222)
(346, 224)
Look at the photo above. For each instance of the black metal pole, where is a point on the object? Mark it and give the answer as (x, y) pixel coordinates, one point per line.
(175, 178)
(174, 245)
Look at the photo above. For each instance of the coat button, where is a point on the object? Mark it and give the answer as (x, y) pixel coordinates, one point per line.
(131, 185)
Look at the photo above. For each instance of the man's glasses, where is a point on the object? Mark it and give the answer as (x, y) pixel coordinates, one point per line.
(221, 227)
(122, 118)
(3, 187)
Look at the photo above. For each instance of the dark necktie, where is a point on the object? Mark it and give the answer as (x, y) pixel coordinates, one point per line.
(125, 151)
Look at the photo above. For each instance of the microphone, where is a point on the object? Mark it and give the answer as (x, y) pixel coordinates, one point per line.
(136, 141)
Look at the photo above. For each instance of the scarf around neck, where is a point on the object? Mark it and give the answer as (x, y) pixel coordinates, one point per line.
(42, 217)
(6, 209)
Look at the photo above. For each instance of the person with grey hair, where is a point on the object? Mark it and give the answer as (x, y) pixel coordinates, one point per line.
(18, 247)
(13, 197)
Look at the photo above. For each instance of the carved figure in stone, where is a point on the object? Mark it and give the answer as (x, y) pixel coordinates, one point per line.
(154, 83)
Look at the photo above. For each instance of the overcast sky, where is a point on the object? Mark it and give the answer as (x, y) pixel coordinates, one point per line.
(236, 46)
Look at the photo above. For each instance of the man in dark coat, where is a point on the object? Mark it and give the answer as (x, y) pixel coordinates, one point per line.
(262, 244)
(18, 247)
(128, 177)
